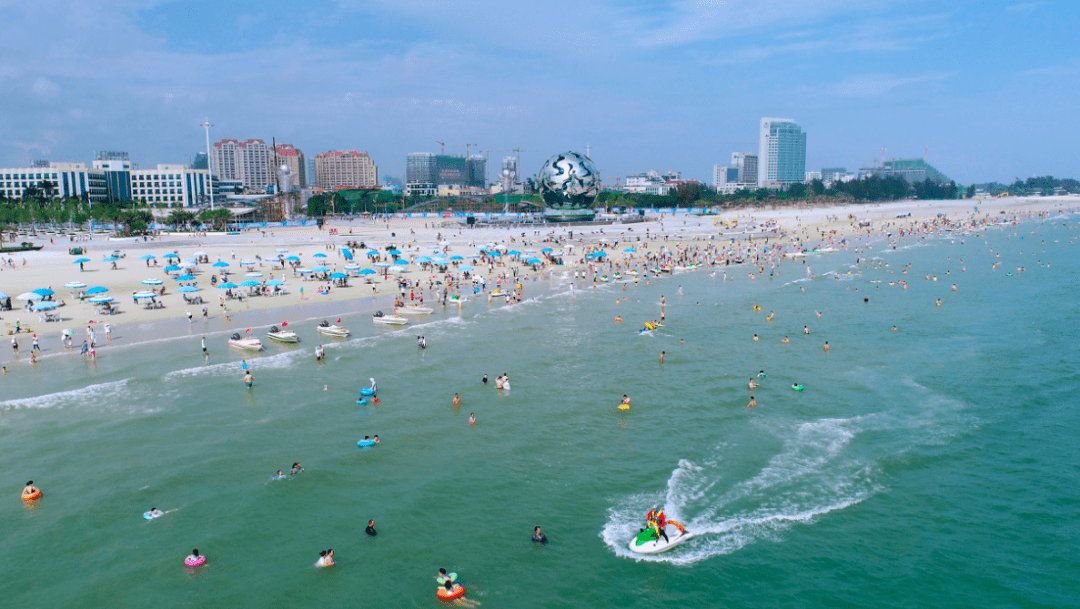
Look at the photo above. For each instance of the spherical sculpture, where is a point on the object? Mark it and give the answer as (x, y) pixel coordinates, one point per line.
(569, 184)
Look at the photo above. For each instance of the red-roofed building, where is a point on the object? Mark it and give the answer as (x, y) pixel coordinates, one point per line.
(287, 154)
(348, 168)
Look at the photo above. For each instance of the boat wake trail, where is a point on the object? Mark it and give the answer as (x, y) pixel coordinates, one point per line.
(813, 474)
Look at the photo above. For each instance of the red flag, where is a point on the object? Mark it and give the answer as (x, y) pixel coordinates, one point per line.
(338, 320)
(248, 330)
(284, 323)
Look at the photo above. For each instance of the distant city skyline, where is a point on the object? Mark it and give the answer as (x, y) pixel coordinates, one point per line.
(986, 91)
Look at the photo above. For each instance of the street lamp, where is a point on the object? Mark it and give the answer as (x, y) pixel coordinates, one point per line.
(209, 166)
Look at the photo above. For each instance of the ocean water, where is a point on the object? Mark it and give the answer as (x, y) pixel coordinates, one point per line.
(932, 466)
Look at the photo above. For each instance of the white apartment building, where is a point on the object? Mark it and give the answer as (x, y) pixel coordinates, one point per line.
(66, 179)
(251, 162)
(175, 185)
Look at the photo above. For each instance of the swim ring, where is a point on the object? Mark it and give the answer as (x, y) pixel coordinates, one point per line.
(366, 391)
(618, 319)
(624, 406)
(796, 387)
(361, 401)
(34, 495)
(449, 576)
(148, 515)
(457, 592)
(194, 561)
(363, 443)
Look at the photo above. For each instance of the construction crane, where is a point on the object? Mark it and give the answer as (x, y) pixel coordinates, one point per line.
(883, 156)
(467, 146)
(442, 147)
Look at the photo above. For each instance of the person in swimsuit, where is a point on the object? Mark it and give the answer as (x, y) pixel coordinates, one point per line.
(457, 400)
(154, 512)
(625, 400)
(472, 419)
(30, 489)
(786, 340)
(753, 384)
(296, 469)
(249, 380)
(484, 380)
(538, 536)
(370, 530)
(752, 403)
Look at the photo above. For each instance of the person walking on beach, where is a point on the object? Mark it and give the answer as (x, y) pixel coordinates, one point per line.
(204, 344)
(35, 346)
(15, 346)
(249, 380)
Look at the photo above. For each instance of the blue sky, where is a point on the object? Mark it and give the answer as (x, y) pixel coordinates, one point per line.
(989, 88)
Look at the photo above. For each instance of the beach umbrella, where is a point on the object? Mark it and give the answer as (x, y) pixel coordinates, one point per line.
(96, 290)
(74, 285)
(152, 282)
(534, 261)
(303, 270)
(472, 256)
(250, 283)
(146, 257)
(110, 259)
(321, 269)
(43, 292)
(3, 295)
(188, 288)
(27, 296)
(456, 258)
(275, 282)
(371, 253)
(338, 276)
(319, 255)
(494, 253)
(281, 250)
(441, 263)
(444, 243)
(101, 299)
(513, 253)
(186, 278)
(171, 255)
(190, 262)
(440, 255)
(398, 269)
(253, 274)
(44, 306)
(172, 268)
(394, 252)
(220, 264)
(366, 272)
(629, 249)
(81, 260)
(144, 295)
(227, 285)
(382, 265)
(465, 267)
(424, 259)
(352, 267)
(529, 251)
(402, 262)
(547, 249)
(247, 263)
(293, 258)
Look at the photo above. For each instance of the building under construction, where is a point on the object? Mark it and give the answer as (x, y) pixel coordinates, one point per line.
(912, 170)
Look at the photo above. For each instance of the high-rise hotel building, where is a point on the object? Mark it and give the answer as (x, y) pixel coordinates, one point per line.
(781, 152)
(348, 168)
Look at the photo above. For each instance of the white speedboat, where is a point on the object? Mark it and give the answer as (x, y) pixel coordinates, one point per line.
(648, 542)
(332, 330)
(390, 320)
(283, 336)
(247, 344)
(414, 310)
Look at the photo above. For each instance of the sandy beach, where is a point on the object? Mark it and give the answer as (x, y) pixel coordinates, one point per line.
(53, 266)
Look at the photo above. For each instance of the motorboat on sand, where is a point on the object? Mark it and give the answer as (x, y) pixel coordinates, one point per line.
(332, 330)
(282, 336)
(247, 344)
(649, 542)
(389, 320)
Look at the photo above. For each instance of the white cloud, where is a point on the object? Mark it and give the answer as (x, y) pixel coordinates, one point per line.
(873, 85)
(44, 87)
(1025, 7)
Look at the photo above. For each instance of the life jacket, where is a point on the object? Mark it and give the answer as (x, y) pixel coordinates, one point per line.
(660, 519)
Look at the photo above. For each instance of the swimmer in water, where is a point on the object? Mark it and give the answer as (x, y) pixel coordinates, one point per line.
(376, 439)
(805, 330)
(826, 347)
(279, 475)
(755, 337)
(30, 489)
(786, 340)
(296, 469)
(484, 380)
(249, 380)
(939, 302)
(538, 536)
(326, 558)
(753, 384)
(155, 513)
(472, 419)
(370, 530)
(894, 328)
(761, 373)
(662, 356)
(752, 403)
(625, 401)
(457, 400)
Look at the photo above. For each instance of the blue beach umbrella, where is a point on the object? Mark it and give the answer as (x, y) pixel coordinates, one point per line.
(401, 262)
(45, 306)
(382, 264)
(101, 299)
(394, 252)
(547, 249)
(513, 253)
(43, 292)
(253, 274)
(534, 261)
(227, 285)
(186, 278)
(366, 272)
(3, 295)
(172, 268)
(146, 257)
(319, 255)
(139, 295)
(465, 267)
(247, 263)
(152, 281)
(371, 253)
(74, 285)
(110, 259)
(352, 267)
(188, 288)
(456, 258)
(281, 250)
(303, 270)
(494, 253)
(321, 269)
(293, 258)
(81, 260)
(250, 283)
(96, 290)
(220, 264)
(338, 276)
(629, 249)
(275, 282)
(171, 255)
(424, 259)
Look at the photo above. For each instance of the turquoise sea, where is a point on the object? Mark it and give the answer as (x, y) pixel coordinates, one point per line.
(934, 466)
